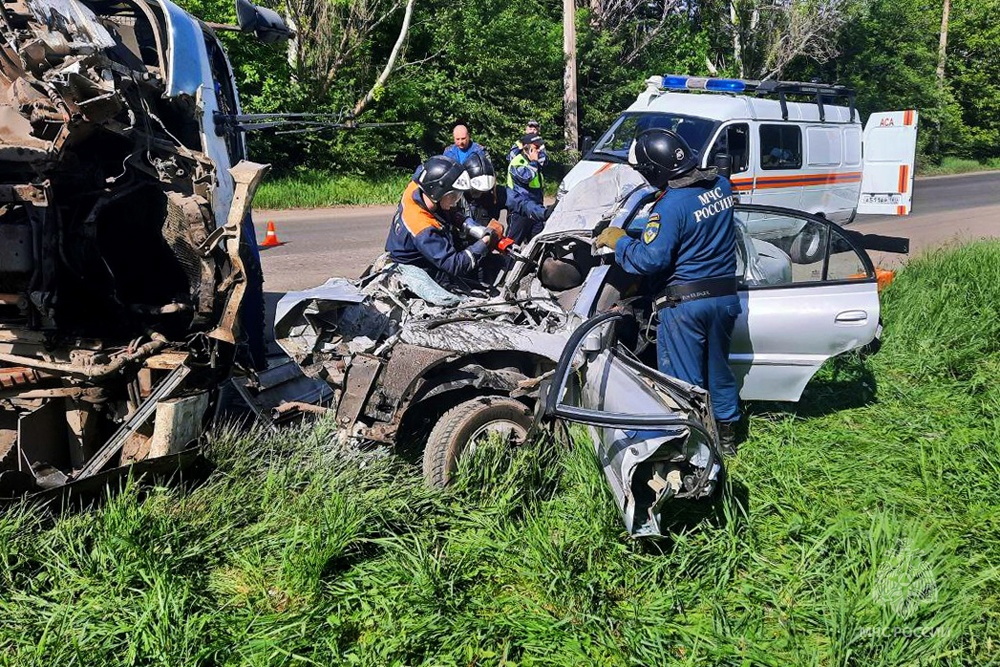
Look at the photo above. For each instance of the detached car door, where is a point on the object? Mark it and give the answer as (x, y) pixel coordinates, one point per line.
(653, 435)
(808, 292)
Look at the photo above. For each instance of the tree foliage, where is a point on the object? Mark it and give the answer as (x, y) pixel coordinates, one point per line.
(492, 64)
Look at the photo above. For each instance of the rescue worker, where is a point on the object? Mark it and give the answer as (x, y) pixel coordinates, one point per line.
(485, 200)
(427, 229)
(524, 174)
(688, 249)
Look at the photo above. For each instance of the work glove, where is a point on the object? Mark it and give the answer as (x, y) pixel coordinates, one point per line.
(496, 227)
(548, 211)
(609, 237)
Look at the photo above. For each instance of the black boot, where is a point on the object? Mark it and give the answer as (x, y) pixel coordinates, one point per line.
(727, 438)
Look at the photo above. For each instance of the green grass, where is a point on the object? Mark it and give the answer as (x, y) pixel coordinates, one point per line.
(316, 189)
(957, 165)
(861, 527)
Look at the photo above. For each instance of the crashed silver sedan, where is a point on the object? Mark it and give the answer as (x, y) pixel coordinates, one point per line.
(568, 335)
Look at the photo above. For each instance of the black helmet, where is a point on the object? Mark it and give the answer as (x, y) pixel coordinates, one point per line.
(482, 176)
(661, 155)
(439, 176)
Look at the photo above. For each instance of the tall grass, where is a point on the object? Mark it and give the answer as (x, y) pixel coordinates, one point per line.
(315, 189)
(957, 165)
(861, 527)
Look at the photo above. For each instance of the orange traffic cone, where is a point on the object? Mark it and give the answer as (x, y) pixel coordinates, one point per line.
(271, 239)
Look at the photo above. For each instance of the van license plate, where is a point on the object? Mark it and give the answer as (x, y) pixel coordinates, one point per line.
(881, 199)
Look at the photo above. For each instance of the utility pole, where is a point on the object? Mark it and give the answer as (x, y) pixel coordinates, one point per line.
(942, 59)
(572, 131)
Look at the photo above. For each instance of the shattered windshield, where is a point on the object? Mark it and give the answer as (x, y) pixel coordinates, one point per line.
(614, 145)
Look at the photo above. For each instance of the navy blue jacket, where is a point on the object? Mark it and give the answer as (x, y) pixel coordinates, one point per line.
(488, 206)
(421, 238)
(690, 235)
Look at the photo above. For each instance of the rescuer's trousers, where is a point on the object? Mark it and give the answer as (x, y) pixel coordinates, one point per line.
(692, 344)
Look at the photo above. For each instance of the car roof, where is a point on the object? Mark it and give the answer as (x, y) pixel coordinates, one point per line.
(723, 107)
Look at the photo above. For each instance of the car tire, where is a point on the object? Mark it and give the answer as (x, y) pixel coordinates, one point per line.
(463, 424)
(807, 247)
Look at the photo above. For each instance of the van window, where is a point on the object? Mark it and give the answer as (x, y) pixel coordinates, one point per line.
(852, 146)
(780, 147)
(823, 146)
(735, 142)
(615, 143)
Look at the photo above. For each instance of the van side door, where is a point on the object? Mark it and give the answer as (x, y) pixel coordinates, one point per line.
(779, 160)
(832, 172)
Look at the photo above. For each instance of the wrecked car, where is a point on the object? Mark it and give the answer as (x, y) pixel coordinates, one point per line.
(129, 285)
(567, 335)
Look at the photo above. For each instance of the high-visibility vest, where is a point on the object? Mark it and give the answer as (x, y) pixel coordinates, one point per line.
(536, 183)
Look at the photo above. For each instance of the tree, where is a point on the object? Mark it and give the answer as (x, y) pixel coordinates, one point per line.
(766, 36)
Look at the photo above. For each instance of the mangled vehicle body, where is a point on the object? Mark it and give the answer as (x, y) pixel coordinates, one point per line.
(568, 335)
(123, 268)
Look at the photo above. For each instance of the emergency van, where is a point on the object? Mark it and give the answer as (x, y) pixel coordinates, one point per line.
(810, 155)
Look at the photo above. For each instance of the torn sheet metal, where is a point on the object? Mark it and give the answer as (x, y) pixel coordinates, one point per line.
(112, 189)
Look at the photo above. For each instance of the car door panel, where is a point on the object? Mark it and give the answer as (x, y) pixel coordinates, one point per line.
(653, 435)
(784, 335)
(800, 306)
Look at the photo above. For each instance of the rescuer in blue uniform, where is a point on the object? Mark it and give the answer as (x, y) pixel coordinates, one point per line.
(688, 249)
(485, 200)
(428, 229)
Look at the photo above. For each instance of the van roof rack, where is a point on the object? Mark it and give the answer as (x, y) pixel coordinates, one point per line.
(822, 93)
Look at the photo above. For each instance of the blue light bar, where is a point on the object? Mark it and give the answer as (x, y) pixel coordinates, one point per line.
(725, 85)
(675, 82)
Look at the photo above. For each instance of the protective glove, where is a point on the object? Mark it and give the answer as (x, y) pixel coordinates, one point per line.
(609, 237)
(496, 227)
(548, 211)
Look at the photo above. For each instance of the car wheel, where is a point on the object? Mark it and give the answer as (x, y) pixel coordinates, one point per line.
(808, 245)
(464, 426)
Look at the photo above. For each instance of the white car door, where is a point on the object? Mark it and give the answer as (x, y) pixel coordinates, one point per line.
(890, 147)
(653, 435)
(800, 305)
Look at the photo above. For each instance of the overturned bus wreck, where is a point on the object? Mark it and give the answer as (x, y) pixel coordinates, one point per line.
(125, 267)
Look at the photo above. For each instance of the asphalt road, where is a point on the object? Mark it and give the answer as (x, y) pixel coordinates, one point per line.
(320, 243)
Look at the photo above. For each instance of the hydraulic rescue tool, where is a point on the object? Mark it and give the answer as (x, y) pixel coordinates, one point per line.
(505, 245)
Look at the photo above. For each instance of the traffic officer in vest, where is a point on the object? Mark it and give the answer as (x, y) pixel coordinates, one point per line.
(524, 174)
(688, 249)
(532, 127)
(427, 229)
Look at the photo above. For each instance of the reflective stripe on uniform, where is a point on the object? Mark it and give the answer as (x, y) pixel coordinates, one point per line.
(416, 218)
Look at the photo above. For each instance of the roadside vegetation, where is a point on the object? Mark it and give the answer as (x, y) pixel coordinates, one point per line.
(957, 165)
(861, 527)
(316, 189)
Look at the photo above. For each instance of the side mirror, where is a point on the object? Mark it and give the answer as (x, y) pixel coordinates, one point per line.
(588, 143)
(265, 23)
(725, 164)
